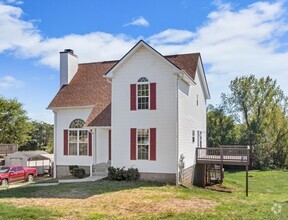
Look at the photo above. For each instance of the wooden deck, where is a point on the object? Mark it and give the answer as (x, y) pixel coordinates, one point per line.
(224, 156)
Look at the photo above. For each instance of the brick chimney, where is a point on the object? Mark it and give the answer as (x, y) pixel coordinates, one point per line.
(68, 66)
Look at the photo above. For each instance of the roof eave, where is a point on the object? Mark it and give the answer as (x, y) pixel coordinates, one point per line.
(70, 107)
(203, 76)
(185, 77)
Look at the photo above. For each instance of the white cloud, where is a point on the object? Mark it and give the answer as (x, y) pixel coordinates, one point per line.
(8, 82)
(16, 34)
(14, 2)
(232, 43)
(236, 43)
(171, 36)
(140, 21)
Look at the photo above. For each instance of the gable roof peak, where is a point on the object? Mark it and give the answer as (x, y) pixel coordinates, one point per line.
(141, 42)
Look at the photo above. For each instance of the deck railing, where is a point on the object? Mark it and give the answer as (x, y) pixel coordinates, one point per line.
(237, 154)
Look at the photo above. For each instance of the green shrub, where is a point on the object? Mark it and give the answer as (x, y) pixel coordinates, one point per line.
(133, 174)
(120, 174)
(78, 172)
(71, 168)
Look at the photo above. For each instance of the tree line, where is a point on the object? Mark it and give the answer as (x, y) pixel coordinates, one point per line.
(16, 128)
(254, 113)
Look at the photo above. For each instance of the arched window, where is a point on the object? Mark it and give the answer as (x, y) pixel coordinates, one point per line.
(78, 138)
(143, 93)
(77, 123)
(143, 79)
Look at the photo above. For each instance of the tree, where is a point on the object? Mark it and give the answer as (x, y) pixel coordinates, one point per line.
(260, 106)
(14, 125)
(41, 137)
(222, 129)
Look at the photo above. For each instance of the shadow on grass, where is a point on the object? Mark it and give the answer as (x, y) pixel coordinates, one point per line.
(74, 190)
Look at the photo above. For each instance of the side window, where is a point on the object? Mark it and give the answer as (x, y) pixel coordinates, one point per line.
(13, 169)
(193, 136)
(19, 168)
(199, 138)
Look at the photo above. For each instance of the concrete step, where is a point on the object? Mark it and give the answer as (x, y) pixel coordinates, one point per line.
(101, 167)
(100, 174)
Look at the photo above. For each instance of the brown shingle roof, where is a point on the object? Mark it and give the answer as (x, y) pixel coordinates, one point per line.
(187, 62)
(89, 88)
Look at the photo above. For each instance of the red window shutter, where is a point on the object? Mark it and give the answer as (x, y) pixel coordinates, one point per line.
(152, 143)
(109, 144)
(65, 144)
(133, 97)
(152, 96)
(133, 144)
(90, 143)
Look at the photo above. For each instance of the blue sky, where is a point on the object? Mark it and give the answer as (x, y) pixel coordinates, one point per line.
(235, 38)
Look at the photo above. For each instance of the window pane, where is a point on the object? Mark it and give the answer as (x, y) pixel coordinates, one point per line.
(143, 90)
(83, 149)
(77, 123)
(83, 136)
(73, 136)
(143, 103)
(143, 144)
(143, 152)
(72, 149)
(143, 79)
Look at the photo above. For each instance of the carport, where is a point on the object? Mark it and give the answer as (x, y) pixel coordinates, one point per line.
(43, 163)
(41, 160)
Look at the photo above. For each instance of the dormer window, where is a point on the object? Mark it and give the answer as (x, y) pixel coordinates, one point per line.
(143, 93)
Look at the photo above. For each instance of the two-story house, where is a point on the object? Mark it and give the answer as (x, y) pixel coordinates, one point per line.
(143, 111)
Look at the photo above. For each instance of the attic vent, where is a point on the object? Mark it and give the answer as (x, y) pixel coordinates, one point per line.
(69, 51)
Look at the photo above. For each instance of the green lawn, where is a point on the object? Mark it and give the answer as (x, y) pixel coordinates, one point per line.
(268, 199)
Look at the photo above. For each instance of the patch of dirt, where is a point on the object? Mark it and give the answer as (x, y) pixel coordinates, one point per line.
(123, 203)
(220, 188)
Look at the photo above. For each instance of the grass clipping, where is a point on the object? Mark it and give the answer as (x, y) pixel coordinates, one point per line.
(124, 203)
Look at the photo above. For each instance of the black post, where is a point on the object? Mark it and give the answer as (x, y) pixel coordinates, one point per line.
(247, 167)
(247, 180)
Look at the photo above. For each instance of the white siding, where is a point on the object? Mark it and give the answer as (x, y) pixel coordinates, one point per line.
(102, 144)
(191, 117)
(144, 63)
(63, 119)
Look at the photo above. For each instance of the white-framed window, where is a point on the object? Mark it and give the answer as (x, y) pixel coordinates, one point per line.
(77, 138)
(143, 144)
(143, 93)
(193, 136)
(199, 138)
(197, 100)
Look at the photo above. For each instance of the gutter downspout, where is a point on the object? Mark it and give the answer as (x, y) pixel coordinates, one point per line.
(55, 148)
(177, 130)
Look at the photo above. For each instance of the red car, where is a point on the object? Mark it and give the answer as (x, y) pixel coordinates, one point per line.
(16, 173)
